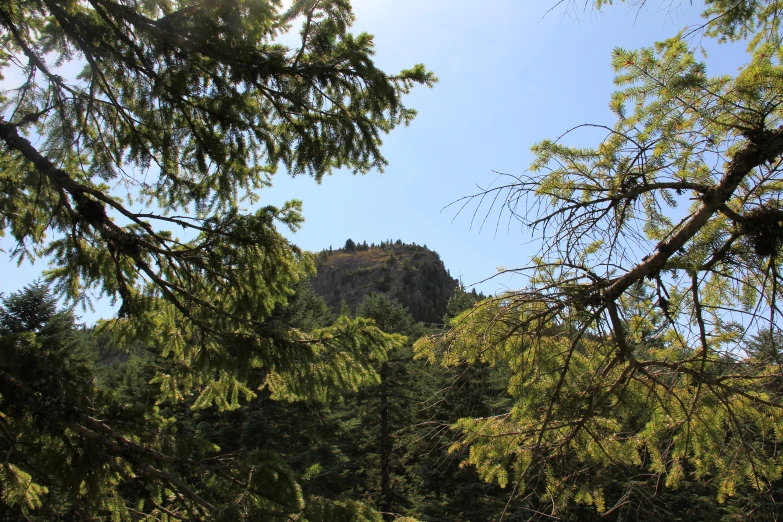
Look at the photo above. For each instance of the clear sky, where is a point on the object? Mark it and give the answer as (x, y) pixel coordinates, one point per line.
(509, 76)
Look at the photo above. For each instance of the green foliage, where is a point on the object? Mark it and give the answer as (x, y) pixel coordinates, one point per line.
(45, 376)
(625, 352)
(389, 315)
(180, 113)
(194, 106)
(64, 461)
(304, 311)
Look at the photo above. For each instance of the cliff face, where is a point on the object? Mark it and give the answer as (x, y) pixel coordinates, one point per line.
(412, 274)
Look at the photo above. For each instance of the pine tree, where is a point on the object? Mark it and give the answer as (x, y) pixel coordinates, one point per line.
(180, 113)
(46, 381)
(93, 442)
(625, 349)
(445, 489)
(391, 317)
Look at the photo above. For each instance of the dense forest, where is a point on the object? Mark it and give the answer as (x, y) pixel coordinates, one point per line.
(384, 445)
(635, 374)
(384, 448)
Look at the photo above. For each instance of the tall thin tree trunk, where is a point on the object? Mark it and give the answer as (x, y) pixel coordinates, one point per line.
(386, 444)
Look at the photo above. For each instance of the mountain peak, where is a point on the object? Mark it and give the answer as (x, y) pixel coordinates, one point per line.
(413, 274)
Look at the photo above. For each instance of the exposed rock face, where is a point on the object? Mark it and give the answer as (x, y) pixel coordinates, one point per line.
(412, 274)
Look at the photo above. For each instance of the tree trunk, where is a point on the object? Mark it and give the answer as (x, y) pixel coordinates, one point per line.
(386, 444)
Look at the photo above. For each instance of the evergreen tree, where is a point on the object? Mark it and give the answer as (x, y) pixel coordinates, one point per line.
(192, 107)
(625, 349)
(83, 442)
(45, 376)
(391, 317)
(446, 490)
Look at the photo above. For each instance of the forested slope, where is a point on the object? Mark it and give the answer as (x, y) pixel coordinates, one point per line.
(413, 275)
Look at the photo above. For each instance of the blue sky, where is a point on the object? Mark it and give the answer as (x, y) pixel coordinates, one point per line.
(509, 76)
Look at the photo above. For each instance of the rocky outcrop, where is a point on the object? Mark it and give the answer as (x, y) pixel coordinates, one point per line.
(413, 274)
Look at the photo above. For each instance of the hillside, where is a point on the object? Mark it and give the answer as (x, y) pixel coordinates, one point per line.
(413, 274)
